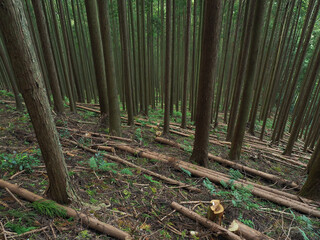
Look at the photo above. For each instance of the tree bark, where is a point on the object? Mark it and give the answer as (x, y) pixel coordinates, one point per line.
(209, 54)
(114, 110)
(14, 26)
(98, 60)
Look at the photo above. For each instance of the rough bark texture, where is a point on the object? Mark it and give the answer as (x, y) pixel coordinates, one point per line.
(125, 58)
(167, 81)
(311, 188)
(114, 110)
(17, 38)
(239, 131)
(48, 56)
(97, 52)
(209, 54)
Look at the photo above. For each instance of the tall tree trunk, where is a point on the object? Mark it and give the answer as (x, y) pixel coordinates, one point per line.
(48, 56)
(97, 51)
(256, 17)
(186, 67)
(17, 37)
(167, 80)
(125, 56)
(114, 110)
(209, 54)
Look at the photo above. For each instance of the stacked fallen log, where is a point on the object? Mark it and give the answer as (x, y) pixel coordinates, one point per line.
(85, 219)
(120, 160)
(234, 165)
(286, 199)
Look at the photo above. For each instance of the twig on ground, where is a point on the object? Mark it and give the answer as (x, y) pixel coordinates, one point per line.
(16, 174)
(30, 232)
(14, 197)
(3, 232)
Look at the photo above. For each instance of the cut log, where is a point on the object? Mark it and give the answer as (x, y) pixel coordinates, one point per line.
(125, 162)
(274, 195)
(215, 228)
(215, 211)
(264, 175)
(85, 219)
(234, 165)
(247, 232)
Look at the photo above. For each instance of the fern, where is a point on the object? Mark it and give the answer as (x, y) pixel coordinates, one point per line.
(49, 208)
(235, 174)
(126, 171)
(18, 228)
(150, 179)
(207, 183)
(186, 171)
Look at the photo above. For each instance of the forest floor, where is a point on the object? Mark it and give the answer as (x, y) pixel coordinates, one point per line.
(130, 199)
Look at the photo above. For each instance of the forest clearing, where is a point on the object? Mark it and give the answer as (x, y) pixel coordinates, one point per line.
(160, 119)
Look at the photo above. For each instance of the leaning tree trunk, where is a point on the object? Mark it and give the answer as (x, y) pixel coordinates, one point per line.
(311, 188)
(209, 54)
(17, 38)
(48, 55)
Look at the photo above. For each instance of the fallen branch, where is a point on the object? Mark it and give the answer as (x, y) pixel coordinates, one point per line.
(246, 232)
(96, 134)
(120, 160)
(91, 222)
(215, 228)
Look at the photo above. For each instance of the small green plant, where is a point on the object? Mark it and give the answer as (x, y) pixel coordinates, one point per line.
(138, 135)
(84, 235)
(19, 228)
(98, 163)
(151, 179)
(18, 162)
(235, 174)
(208, 184)
(49, 208)
(247, 222)
(186, 171)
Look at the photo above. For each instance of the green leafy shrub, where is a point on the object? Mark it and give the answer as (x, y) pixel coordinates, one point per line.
(18, 162)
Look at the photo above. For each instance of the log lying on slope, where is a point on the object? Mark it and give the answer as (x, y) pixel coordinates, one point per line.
(215, 228)
(120, 160)
(247, 232)
(234, 165)
(85, 219)
(274, 195)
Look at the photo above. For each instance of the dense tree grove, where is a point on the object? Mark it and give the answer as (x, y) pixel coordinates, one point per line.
(253, 65)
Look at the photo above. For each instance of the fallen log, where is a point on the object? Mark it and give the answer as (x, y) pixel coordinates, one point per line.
(286, 199)
(215, 228)
(264, 175)
(246, 232)
(85, 219)
(234, 165)
(169, 142)
(125, 162)
(96, 134)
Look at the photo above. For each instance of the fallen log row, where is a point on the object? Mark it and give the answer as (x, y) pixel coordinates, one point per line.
(215, 228)
(125, 162)
(234, 165)
(246, 232)
(286, 199)
(213, 141)
(96, 134)
(85, 219)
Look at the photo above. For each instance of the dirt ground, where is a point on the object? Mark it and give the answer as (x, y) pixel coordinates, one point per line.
(127, 198)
